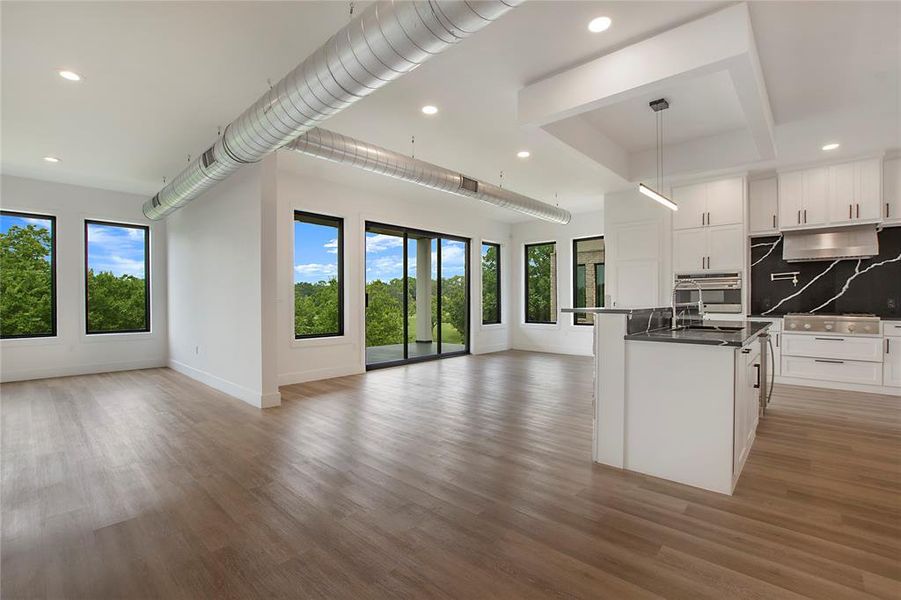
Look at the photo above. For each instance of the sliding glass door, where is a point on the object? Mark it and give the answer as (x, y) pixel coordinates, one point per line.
(417, 295)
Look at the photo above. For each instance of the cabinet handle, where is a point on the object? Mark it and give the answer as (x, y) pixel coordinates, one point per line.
(757, 366)
(702, 219)
(886, 210)
(799, 217)
(708, 218)
(858, 210)
(745, 350)
(830, 339)
(777, 340)
(774, 221)
(805, 215)
(832, 362)
(849, 211)
(888, 345)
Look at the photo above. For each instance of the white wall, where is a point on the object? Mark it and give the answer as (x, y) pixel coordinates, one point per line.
(220, 287)
(563, 337)
(639, 250)
(72, 352)
(307, 360)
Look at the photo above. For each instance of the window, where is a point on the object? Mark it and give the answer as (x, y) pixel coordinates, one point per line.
(117, 277)
(541, 283)
(27, 275)
(318, 276)
(588, 277)
(491, 283)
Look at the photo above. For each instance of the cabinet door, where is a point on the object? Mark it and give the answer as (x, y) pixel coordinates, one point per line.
(726, 248)
(891, 373)
(692, 202)
(868, 202)
(740, 415)
(891, 192)
(763, 206)
(690, 250)
(814, 207)
(841, 193)
(791, 195)
(725, 201)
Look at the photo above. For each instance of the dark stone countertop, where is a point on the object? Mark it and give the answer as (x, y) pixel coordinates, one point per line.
(611, 310)
(707, 337)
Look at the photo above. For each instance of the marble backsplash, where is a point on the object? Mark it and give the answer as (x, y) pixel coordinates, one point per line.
(870, 285)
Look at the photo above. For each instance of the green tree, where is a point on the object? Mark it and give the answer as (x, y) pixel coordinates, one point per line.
(26, 288)
(316, 307)
(490, 305)
(453, 308)
(116, 303)
(538, 261)
(385, 313)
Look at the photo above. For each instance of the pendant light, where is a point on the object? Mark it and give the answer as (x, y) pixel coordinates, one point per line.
(658, 106)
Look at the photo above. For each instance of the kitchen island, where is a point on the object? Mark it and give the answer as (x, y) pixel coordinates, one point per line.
(678, 404)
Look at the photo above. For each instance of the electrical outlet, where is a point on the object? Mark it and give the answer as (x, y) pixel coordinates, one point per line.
(892, 305)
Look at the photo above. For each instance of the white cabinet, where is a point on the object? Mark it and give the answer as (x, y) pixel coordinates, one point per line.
(708, 249)
(825, 370)
(832, 346)
(802, 198)
(746, 404)
(692, 203)
(763, 206)
(840, 194)
(713, 203)
(855, 192)
(891, 370)
(832, 358)
(891, 193)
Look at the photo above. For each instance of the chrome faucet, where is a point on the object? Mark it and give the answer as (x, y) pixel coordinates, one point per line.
(682, 284)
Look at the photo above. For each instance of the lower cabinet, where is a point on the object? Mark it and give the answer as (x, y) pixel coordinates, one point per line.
(891, 376)
(832, 369)
(747, 404)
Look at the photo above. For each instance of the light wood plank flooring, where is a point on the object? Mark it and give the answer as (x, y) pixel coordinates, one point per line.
(463, 478)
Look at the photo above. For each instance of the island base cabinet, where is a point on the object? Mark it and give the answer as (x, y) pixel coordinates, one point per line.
(747, 404)
(892, 366)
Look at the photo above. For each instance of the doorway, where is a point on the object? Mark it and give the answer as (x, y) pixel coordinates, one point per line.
(417, 295)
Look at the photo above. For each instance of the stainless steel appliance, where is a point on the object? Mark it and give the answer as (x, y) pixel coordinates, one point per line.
(716, 292)
(847, 324)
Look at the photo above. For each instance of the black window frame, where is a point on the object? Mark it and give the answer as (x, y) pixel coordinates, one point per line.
(330, 221)
(500, 319)
(147, 315)
(526, 281)
(53, 315)
(576, 263)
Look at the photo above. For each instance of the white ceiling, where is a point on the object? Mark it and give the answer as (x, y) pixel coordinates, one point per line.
(161, 76)
(701, 107)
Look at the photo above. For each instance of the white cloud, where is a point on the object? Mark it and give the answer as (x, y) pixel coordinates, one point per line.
(380, 242)
(316, 269)
(331, 246)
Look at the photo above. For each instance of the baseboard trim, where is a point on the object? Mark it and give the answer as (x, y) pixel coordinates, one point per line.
(317, 374)
(252, 397)
(488, 349)
(836, 385)
(47, 372)
(549, 350)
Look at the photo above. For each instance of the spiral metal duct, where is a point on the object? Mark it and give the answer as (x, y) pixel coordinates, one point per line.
(369, 157)
(388, 39)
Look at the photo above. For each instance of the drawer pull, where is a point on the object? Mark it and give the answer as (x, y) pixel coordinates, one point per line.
(757, 366)
(830, 339)
(833, 362)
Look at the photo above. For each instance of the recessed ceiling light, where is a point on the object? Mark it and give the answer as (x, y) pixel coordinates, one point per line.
(599, 24)
(428, 109)
(523, 154)
(51, 159)
(70, 75)
(831, 146)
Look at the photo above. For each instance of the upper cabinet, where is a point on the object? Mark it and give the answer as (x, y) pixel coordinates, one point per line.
(763, 207)
(842, 194)
(891, 193)
(709, 204)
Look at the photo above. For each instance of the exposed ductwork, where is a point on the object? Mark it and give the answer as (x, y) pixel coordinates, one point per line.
(369, 157)
(385, 41)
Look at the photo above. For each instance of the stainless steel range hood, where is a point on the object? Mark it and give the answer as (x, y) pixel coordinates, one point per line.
(854, 241)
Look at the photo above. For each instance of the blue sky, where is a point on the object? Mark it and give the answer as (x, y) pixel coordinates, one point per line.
(119, 250)
(316, 258)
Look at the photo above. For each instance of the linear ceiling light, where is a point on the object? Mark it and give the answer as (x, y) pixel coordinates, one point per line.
(658, 106)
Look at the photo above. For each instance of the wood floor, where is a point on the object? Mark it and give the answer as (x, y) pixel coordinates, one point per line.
(463, 478)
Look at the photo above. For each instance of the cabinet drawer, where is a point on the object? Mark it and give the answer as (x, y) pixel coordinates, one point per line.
(832, 346)
(826, 370)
